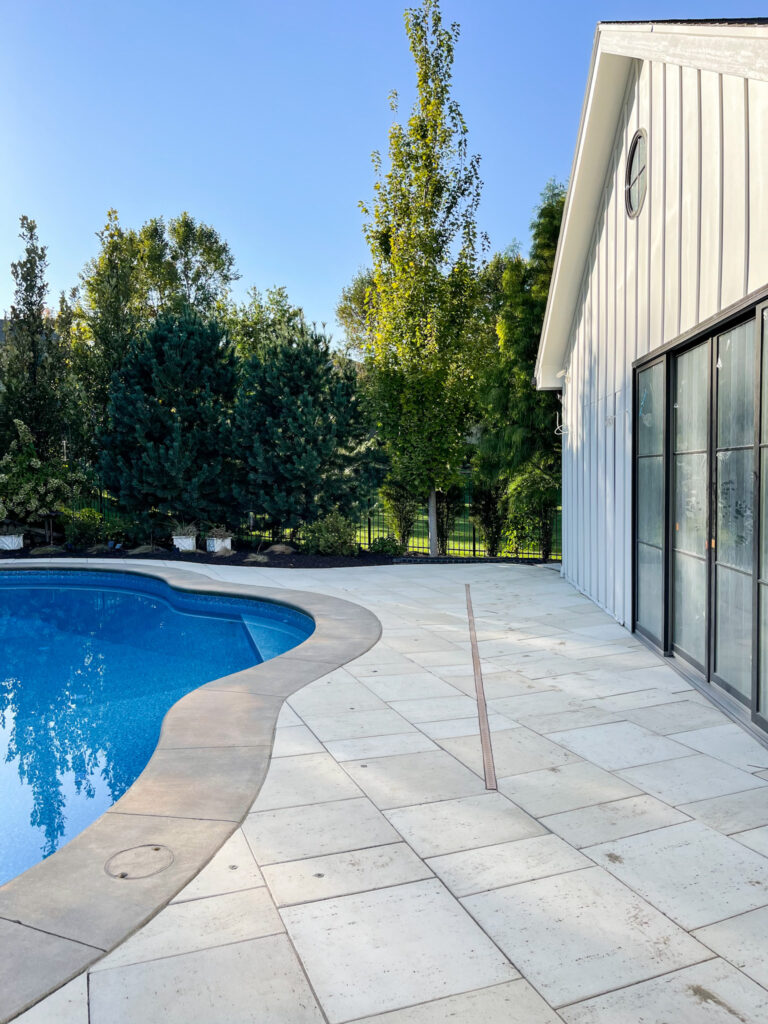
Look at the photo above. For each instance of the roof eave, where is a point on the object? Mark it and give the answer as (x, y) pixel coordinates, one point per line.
(737, 47)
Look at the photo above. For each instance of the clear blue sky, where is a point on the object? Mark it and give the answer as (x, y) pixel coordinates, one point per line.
(259, 118)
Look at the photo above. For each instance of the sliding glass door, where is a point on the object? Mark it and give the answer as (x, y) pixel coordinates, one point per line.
(701, 491)
(733, 543)
(649, 507)
(690, 497)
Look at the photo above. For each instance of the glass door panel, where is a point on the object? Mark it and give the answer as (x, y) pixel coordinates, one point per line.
(690, 408)
(649, 507)
(734, 485)
(762, 684)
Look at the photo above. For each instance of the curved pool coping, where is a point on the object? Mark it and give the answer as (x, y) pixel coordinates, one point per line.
(215, 745)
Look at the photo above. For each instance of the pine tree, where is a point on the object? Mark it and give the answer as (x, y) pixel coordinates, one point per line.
(33, 357)
(167, 442)
(301, 432)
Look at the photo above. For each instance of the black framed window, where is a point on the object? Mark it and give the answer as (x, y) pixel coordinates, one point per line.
(700, 512)
(636, 181)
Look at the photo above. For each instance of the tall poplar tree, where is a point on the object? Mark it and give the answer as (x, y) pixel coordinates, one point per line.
(422, 233)
(33, 356)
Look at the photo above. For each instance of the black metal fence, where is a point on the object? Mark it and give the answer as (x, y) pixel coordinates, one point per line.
(465, 539)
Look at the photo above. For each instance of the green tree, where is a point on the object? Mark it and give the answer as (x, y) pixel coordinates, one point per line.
(166, 445)
(302, 435)
(186, 263)
(519, 421)
(354, 309)
(33, 357)
(249, 323)
(135, 277)
(422, 233)
(517, 442)
(108, 315)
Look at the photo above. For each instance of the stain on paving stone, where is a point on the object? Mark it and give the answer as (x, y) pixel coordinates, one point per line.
(705, 996)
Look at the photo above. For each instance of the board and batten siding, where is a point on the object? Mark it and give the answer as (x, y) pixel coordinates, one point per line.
(699, 244)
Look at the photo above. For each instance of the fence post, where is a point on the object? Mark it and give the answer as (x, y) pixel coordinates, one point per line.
(369, 526)
(474, 542)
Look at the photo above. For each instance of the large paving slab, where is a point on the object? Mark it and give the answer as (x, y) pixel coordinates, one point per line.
(600, 823)
(516, 1002)
(387, 949)
(406, 779)
(224, 985)
(690, 872)
(741, 940)
(708, 993)
(565, 788)
(686, 779)
(463, 824)
(619, 745)
(295, 832)
(581, 933)
(340, 874)
(492, 867)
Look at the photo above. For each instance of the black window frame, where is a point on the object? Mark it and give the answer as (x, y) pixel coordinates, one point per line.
(640, 135)
(751, 308)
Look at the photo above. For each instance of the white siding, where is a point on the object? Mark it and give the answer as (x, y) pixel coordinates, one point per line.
(699, 244)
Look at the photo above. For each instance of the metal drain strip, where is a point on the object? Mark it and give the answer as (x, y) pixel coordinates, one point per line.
(489, 768)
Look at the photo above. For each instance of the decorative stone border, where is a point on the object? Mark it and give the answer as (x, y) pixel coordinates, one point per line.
(210, 762)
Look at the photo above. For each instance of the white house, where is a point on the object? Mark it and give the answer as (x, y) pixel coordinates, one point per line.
(656, 334)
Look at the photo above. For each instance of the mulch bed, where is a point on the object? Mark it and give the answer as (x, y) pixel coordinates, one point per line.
(298, 560)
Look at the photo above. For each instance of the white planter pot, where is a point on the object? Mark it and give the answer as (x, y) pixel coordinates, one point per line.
(185, 543)
(11, 542)
(216, 544)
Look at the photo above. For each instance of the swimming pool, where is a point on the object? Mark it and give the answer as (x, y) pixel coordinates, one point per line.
(90, 662)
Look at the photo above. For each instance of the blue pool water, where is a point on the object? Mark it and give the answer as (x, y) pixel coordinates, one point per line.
(89, 664)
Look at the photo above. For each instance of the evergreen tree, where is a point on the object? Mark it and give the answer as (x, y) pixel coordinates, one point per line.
(167, 441)
(33, 357)
(518, 456)
(136, 276)
(519, 421)
(422, 233)
(301, 432)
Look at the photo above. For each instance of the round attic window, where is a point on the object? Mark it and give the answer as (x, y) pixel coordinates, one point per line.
(637, 175)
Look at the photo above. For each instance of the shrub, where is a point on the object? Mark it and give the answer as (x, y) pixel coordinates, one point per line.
(83, 528)
(402, 509)
(450, 504)
(490, 508)
(124, 530)
(32, 489)
(331, 535)
(534, 497)
(387, 546)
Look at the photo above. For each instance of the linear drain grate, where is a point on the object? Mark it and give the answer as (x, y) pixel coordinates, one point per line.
(489, 769)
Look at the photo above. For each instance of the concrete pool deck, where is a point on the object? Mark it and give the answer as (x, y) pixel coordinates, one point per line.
(618, 876)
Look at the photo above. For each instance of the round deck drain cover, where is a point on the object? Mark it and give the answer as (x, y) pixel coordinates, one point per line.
(139, 862)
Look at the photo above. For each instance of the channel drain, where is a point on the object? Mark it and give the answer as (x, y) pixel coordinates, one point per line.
(489, 769)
